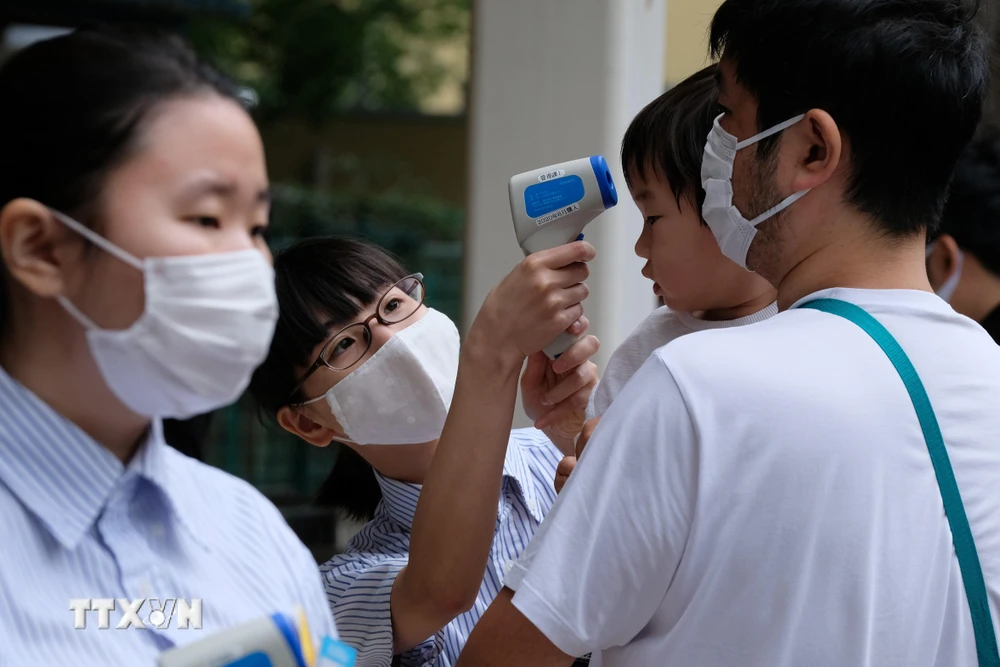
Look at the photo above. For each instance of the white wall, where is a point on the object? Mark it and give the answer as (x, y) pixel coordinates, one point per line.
(555, 80)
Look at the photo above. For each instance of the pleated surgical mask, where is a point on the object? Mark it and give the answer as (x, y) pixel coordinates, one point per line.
(206, 325)
(733, 232)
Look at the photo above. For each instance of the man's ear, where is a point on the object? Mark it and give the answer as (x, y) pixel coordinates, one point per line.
(943, 261)
(818, 149)
(32, 242)
(297, 422)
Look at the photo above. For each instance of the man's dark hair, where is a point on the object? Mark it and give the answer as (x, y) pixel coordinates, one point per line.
(972, 213)
(668, 136)
(74, 107)
(323, 284)
(905, 81)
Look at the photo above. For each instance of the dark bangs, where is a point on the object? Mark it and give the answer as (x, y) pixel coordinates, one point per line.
(669, 135)
(322, 284)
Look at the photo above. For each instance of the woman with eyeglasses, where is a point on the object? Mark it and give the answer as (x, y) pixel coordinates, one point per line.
(450, 494)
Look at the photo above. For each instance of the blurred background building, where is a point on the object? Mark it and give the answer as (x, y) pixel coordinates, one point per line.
(400, 121)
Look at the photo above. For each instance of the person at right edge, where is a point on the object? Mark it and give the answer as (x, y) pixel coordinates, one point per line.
(820, 488)
(963, 262)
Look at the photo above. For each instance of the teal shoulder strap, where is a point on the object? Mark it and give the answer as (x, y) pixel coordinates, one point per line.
(965, 546)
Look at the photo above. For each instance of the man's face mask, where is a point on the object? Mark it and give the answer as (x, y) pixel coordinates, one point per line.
(733, 232)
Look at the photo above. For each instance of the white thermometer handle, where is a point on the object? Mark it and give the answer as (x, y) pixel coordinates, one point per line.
(551, 206)
(561, 344)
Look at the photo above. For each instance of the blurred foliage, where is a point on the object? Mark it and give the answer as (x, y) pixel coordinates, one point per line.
(371, 194)
(378, 200)
(299, 211)
(315, 59)
(311, 58)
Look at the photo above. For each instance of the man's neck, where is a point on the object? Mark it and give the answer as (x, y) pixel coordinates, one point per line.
(859, 259)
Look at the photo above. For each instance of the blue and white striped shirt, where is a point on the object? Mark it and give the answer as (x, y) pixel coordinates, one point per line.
(76, 523)
(359, 581)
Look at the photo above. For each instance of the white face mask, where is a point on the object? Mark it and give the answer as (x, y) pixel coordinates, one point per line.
(206, 326)
(950, 284)
(733, 232)
(401, 395)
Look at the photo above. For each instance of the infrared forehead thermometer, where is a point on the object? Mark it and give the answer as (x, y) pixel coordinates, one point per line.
(551, 206)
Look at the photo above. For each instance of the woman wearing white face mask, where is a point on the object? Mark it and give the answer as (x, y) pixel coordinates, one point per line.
(135, 286)
(359, 358)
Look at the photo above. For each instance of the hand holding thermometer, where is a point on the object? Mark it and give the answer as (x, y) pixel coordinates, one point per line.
(551, 206)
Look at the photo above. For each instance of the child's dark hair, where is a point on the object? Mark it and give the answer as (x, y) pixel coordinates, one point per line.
(668, 136)
(323, 284)
(73, 108)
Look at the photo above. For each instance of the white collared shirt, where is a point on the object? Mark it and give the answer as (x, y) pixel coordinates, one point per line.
(76, 523)
(764, 496)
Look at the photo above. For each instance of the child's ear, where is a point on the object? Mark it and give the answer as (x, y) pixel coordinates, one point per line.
(297, 422)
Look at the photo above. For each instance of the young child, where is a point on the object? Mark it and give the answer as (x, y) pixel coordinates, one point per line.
(702, 289)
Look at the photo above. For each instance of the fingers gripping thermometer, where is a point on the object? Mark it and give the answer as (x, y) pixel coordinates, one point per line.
(551, 206)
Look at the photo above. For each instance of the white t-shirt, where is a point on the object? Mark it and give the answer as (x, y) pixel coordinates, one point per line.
(764, 496)
(659, 328)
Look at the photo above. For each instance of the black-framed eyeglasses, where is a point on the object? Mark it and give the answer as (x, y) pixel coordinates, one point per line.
(348, 346)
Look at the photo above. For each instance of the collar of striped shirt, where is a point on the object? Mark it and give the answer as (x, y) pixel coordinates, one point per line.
(399, 499)
(62, 475)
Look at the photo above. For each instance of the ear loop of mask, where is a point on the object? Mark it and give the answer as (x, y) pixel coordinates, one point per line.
(791, 199)
(947, 289)
(313, 401)
(104, 245)
(780, 127)
(98, 240)
(775, 210)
